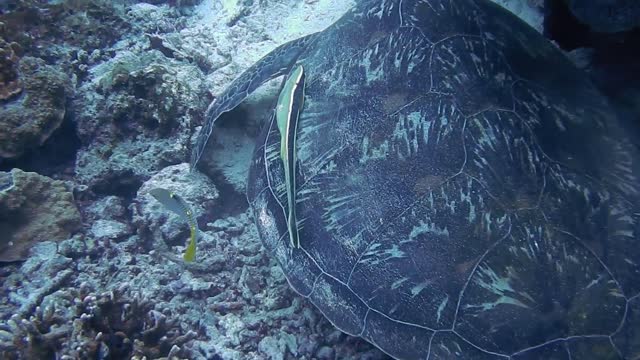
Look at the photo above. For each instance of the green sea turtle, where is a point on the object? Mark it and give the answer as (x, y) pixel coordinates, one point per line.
(461, 190)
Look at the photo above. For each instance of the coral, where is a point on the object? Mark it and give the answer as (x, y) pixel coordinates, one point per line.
(121, 327)
(10, 84)
(42, 274)
(139, 94)
(28, 122)
(227, 302)
(85, 325)
(135, 116)
(34, 208)
(87, 24)
(35, 338)
(120, 167)
(149, 18)
(58, 30)
(159, 95)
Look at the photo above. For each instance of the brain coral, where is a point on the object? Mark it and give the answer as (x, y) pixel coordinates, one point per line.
(33, 208)
(27, 122)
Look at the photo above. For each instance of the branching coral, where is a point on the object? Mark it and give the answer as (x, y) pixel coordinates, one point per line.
(35, 338)
(105, 326)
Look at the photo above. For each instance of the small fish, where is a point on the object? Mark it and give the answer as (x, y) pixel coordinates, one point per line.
(177, 204)
(290, 103)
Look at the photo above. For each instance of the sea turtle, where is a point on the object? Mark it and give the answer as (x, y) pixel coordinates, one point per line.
(461, 190)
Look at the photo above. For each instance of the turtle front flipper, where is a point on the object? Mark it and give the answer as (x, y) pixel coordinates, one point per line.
(274, 64)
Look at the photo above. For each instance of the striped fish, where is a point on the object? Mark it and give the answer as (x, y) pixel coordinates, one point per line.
(177, 204)
(290, 104)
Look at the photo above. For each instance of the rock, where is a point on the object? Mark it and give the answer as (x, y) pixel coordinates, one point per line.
(121, 168)
(33, 208)
(325, 353)
(231, 157)
(105, 230)
(28, 122)
(531, 11)
(107, 208)
(10, 83)
(138, 92)
(272, 348)
(134, 116)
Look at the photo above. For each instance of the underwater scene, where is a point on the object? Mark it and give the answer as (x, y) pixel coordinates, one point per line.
(320, 179)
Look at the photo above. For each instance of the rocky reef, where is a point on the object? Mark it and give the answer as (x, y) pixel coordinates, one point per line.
(29, 121)
(10, 82)
(33, 208)
(100, 102)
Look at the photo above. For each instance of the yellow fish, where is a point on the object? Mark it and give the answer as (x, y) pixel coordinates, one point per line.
(177, 204)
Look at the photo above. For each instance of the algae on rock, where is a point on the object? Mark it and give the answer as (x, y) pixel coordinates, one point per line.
(134, 116)
(28, 122)
(33, 208)
(10, 83)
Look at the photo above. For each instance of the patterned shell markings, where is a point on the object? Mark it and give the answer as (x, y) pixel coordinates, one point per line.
(463, 190)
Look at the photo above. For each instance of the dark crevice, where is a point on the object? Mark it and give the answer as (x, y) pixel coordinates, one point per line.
(55, 158)
(124, 184)
(239, 118)
(569, 33)
(230, 202)
(613, 60)
(562, 27)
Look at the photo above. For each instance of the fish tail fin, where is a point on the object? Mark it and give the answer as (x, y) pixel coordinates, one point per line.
(190, 252)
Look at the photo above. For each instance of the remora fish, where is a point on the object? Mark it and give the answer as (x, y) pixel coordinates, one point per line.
(177, 204)
(290, 104)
